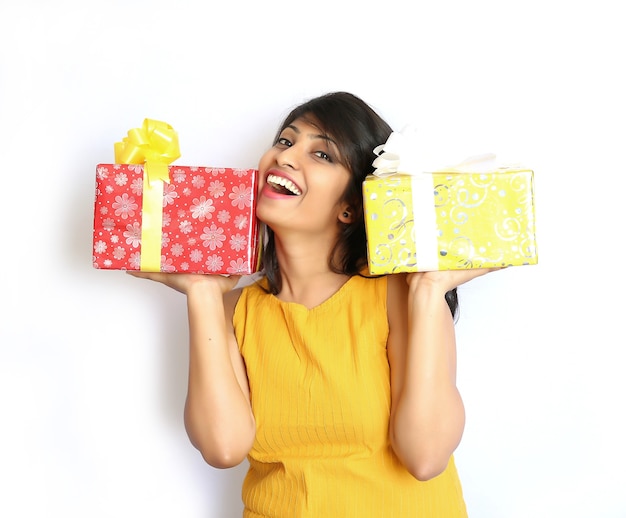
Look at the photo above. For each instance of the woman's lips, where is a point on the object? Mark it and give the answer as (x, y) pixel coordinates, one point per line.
(269, 192)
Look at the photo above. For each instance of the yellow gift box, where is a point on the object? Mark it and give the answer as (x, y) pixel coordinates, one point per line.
(449, 220)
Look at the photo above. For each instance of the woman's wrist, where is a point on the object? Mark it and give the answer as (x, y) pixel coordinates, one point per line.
(427, 286)
(207, 289)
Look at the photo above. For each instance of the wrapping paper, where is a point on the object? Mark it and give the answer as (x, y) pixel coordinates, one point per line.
(450, 220)
(204, 221)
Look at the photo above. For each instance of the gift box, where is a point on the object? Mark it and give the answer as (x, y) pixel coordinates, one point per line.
(174, 218)
(208, 222)
(449, 219)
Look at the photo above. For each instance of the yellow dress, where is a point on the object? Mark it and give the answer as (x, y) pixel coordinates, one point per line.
(319, 382)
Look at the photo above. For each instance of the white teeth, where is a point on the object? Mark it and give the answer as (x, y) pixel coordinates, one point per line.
(283, 182)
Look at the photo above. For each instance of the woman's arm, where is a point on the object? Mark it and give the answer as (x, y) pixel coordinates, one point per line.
(427, 413)
(218, 415)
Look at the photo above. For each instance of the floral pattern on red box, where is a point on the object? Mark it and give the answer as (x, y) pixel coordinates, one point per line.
(209, 222)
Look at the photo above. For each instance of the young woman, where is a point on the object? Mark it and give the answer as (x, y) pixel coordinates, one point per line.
(339, 388)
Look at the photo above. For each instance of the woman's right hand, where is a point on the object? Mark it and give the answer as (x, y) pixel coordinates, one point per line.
(182, 282)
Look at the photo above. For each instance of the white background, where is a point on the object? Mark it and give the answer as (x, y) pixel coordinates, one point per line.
(93, 363)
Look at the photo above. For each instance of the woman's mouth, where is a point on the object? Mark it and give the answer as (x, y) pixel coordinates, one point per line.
(282, 185)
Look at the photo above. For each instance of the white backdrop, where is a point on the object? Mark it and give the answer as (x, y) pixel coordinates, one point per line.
(93, 363)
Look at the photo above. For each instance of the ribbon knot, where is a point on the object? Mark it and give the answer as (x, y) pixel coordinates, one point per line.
(155, 145)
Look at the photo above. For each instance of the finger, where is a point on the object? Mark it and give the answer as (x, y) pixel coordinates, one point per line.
(153, 276)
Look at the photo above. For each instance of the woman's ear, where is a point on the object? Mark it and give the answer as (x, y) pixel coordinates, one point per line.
(346, 216)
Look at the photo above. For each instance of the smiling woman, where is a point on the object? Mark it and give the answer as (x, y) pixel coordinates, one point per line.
(339, 388)
(342, 131)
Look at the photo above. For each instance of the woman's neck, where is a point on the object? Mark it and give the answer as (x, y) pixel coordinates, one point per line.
(305, 272)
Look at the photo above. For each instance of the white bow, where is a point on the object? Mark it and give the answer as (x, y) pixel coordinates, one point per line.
(400, 154)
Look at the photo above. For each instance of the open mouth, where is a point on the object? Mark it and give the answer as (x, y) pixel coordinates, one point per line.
(283, 185)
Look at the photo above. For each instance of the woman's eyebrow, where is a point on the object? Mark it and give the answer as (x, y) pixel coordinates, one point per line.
(326, 138)
(312, 136)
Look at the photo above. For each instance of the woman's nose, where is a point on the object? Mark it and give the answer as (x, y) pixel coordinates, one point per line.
(288, 157)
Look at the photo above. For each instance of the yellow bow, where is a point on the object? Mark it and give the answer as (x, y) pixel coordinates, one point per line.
(155, 144)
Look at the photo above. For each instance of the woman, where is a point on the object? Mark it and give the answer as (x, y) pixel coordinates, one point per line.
(339, 388)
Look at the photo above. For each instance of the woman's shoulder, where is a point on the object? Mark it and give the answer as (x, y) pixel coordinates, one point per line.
(253, 286)
(392, 282)
(390, 290)
(230, 303)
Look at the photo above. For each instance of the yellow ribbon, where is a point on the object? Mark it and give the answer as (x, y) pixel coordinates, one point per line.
(155, 145)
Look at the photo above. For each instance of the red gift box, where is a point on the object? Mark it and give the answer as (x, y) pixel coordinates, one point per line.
(201, 221)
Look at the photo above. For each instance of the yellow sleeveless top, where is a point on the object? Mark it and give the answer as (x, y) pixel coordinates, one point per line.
(320, 392)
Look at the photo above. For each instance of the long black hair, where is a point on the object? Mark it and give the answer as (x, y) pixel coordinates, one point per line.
(357, 129)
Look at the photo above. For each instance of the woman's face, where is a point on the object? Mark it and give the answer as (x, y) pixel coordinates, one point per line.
(302, 181)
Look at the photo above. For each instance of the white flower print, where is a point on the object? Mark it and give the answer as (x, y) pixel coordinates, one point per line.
(119, 253)
(214, 263)
(184, 266)
(115, 239)
(104, 210)
(241, 221)
(136, 168)
(185, 226)
(202, 208)
(136, 186)
(135, 260)
(240, 172)
(177, 249)
(197, 182)
(213, 237)
(217, 189)
(108, 263)
(223, 216)
(191, 241)
(179, 175)
(121, 179)
(108, 224)
(196, 255)
(99, 247)
(167, 219)
(102, 173)
(169, 194)
(124, 206)
(238, 242)
(167, 265)
(165, 240)
(215, 171)
(241, 196)
(238, 266)
(186, 191)
(109, 189)
(133, 234)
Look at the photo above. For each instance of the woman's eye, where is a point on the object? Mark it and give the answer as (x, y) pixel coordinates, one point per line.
(324, 156)
(284, 142)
